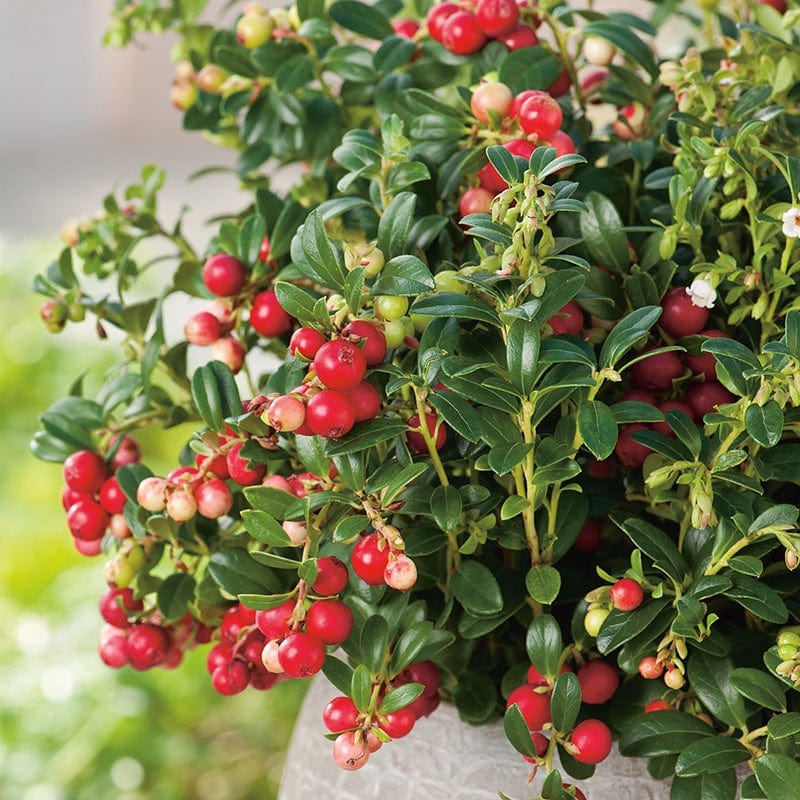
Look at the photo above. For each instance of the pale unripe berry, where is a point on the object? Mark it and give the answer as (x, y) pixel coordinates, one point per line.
(229, 351)
(214, 498)
(211, 77)
(594, 620)
(286, 413)
(181, 505)
(254, 29)
(202, 329)
(599, 52)
(296, 531)
(492, 96)
(673, 678)
(277, 482)
(269, 657)
(347, 753)
(119, 527)
(400, 573)
(151, 494)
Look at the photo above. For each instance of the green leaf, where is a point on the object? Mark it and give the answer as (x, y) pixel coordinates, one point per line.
(765, 423)
(709, 755)
(656, 545)
(505, 163)
(778, 776)
(522, 354)
(516, 730)
(598, 427)
(263, 602)
(319, 253)
(401, 697)
(622, 626)
(710, 678)
(783, 725)
(395, 223)
(449, 304)
(627, 332)
(661, 734)
(353, 284)
(236, 572)
(404, 275)
(735, 359)
(264, 528)
(710, 786)
(266, 498)
(604, 234)
(758, 598)
(544, 644)
(529, 68)
(476, 698)
(543, 583)
(373, 642)
(512, 506)
(565, 702)
(215, 394)
(174, 595)
(458, 414)
(365, 20)
(276, 561)
(235, 60)
(446, 507)
(760, 687)
(477, 589)
(338, 673)
(361, 688)
(366, 435)
(418, 643)
(504, 458)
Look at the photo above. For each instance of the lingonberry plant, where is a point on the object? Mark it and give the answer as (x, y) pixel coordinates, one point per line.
(527, 437)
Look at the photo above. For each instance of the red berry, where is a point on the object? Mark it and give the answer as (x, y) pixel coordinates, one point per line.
(415, 439)
(535, 706)
(535, 678)
(631, 453)
(301, 655)
(330, 414)
(224, 275)
(215, 463)
(219, 655)
(519, 37)
(626, 594)
(349, 754)
(540, 114)
(231, 678)
(475, 201)
(148, 645)
(703, 398)
(437, 16)
(365, 399)
(85, 471)
(657, 705)
(340, 714)
(426, 673)
(590, 539)
(631, 122)
(202, 329)
(671, 405)
(267, 316)
(398, 723)
(406, 28)
(462, 34)
(779, 5)
(568, 320)
(497, 17)
(593, 740)
(113, 647)
(69, 497)
(680, 316)
(239, 470)
(561, 85)
(369, 338)
(116, 605)
(657, 372)
(332, 575)
(651, 668)
(112, 498)
(340, 364)
(369, 560)
(274, 622)
(87, 520)
(234, 622)
(305, 342)
(704, 364)
(214, 498)
(563, 144)
(598, 680)
(329, 620)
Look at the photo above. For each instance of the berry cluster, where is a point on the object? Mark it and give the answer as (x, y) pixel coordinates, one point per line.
(464, 28)
(361, 732)
(92, 497)
(378, 560)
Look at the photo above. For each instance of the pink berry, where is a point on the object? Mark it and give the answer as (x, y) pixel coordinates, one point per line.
(214, 498)
(239, 468)
(84, 471)
(148, 645)
(347, 753)
(202, 329)
(224, 275)
(400, 573)
(151, 494)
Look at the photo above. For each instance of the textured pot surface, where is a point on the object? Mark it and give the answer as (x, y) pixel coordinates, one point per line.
(442, 759)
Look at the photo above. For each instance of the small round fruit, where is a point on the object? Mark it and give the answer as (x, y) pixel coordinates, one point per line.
(680, 316)
(657, 372)
(400, 573)
(214, 498)
(224, 275)
(231, 678)
(369, 337)
(87, 520)
(349, 754)
(275, 623)
(673, 678)
(497, 17)
(366, 401)
(148, 645)
(286, 413)
(330, 414)
(626, 594)
(340, 364)
(490, 178)
(117, 605)
(416, 441)
(329, 620)
(599, 681)
(561, 85)
(253, 30)
(657, 705)
(519, 37)
(202, 329)
(705, 397)
(462, 34)
(84, 471)
(111, 496)
(540, 114)
(340, 715)
(407, 28)
(390, 307)
(492, 96)
(113, 648)
(563, 144)
(597, 51)
(181, 505)
(535, 706)
(301, 655)
(267, 316)
(437, 16)
(592, 738)
(369, 559)
(629, 452)
(651, 668)
(475, 201)
(332, 576)
(567, 320)
(305, 343)
(124, 453)
(239, 469)
(590, 538)
(229, 351)
(594, 620)
(398, 724)
(151, 494)
(704, 364)
(631, 123)
(671, 405)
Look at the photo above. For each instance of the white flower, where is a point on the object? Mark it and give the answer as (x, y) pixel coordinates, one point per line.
(702, 293)
(791, 223)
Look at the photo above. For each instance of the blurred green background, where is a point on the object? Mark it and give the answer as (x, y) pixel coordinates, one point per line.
(70, 728)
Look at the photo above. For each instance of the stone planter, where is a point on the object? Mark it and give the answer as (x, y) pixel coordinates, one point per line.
(442, 759)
